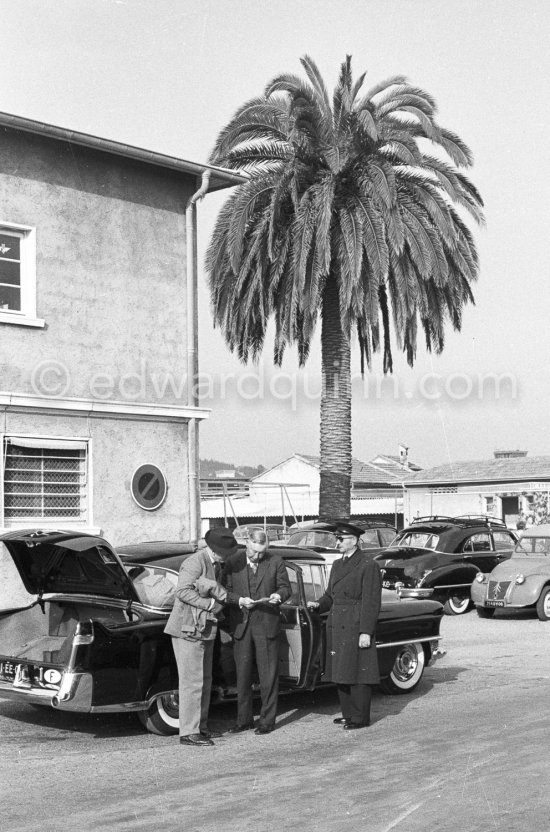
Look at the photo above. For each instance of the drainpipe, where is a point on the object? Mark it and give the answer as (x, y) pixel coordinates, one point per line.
(192, 359)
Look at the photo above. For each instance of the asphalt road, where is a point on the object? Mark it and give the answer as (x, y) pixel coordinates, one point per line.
(467, 751)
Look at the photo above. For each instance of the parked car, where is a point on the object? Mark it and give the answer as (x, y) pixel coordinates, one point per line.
(81, 628)
(521, 581)
(275, 531)
(439, 557)
(376, 536)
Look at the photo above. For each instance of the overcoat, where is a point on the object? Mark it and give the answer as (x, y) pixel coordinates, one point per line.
(271, 577)
(353, 599)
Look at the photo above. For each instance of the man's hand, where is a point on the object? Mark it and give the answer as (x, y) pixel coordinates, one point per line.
(364, 640)
(274, 598)
(313, 605)
(247, 603)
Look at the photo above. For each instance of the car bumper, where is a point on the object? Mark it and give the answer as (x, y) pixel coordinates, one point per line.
(74, 693)
(414, 592)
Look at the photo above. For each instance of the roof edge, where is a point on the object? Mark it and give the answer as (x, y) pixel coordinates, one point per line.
(221, 177)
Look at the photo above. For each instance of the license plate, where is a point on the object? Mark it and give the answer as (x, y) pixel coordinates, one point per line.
(7, 670)
(494, 603)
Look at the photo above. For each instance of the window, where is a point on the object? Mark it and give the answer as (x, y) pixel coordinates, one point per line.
(18, 275)
(503, 540)
(369, 539)
(45, 479)
(478, 543)
(386, 536)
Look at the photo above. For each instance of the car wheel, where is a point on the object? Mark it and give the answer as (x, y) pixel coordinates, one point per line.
(456, 605)
(407, 669)
(163, 715)
(543, 604)
(485, 612)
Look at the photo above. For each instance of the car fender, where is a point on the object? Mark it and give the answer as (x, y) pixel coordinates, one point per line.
(461, 574)
(529, 592)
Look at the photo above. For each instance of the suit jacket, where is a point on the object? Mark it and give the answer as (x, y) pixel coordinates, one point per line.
(353, 599)
(183, 619)
(271, 577)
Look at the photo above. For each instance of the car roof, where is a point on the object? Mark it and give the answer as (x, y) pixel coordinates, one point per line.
(442, 523)
(170, 559)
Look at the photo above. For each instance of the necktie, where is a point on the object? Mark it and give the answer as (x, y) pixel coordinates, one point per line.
(217, 571)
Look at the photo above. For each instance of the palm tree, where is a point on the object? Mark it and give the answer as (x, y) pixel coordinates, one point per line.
(354, 208)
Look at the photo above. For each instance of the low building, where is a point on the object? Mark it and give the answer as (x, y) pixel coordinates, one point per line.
(510, 485)
(289, 492)
(97, 317)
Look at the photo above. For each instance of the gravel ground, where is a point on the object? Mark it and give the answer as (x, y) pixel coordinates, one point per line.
(467, 750)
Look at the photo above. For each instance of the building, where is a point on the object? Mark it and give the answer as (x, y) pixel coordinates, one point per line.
(509, 485)
(289, 492)
(99, 426)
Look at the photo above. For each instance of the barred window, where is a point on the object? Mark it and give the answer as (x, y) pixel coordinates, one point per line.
(44, 479)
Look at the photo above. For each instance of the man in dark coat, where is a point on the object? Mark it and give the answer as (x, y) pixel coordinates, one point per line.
(353, 600)
(257, 583)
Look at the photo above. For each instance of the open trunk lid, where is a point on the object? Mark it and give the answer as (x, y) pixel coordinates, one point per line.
(61, 563)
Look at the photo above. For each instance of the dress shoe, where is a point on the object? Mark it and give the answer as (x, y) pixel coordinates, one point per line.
(351, 726)
(264, 729)
(195, 739)
(211, 735)
(341, 720)
(236, 729)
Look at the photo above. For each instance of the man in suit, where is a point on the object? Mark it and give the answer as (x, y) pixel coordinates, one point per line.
(352, 599)
(257, 583)
(193, 625)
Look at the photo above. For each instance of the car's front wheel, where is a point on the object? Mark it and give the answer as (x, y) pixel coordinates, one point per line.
(543, 605)
(485, 612)
(456, 604)
(163, 715)
(407, 670)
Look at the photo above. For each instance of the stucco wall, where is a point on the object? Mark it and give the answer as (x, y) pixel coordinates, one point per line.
(118, 447)
(111, 277)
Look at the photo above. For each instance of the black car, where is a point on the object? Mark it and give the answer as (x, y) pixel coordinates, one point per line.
(81, 628)
(438, 557)
(376, 536)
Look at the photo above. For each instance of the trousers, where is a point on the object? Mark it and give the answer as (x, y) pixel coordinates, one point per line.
(255, 645)
(194, 661)
(355, 702)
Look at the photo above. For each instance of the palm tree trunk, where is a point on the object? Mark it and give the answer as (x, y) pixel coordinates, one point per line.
(335, 487)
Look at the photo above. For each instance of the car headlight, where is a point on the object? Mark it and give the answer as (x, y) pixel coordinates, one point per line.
(520, 579)
(481, 577)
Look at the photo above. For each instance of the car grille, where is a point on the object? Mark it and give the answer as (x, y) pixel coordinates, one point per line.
(497, 590)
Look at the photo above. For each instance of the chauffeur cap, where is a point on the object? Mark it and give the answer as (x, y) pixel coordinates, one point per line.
(221, 541)
(343, 527)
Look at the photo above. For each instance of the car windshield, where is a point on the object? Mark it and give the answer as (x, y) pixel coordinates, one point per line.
(533, 546)
(312, 538)
(418, 540)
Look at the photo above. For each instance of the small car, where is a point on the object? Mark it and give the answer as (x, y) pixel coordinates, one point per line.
(438, 557)
(82, 630)
(376, 536)
(521, 581)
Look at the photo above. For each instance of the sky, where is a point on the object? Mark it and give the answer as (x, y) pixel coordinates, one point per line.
(168, 75)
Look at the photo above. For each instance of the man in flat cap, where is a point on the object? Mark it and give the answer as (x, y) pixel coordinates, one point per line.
(193, 625)
(353, 600)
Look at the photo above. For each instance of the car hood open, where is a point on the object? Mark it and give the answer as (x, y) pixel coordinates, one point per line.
(64, 563)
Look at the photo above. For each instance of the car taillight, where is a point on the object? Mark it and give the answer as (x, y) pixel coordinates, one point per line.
(84, 633)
